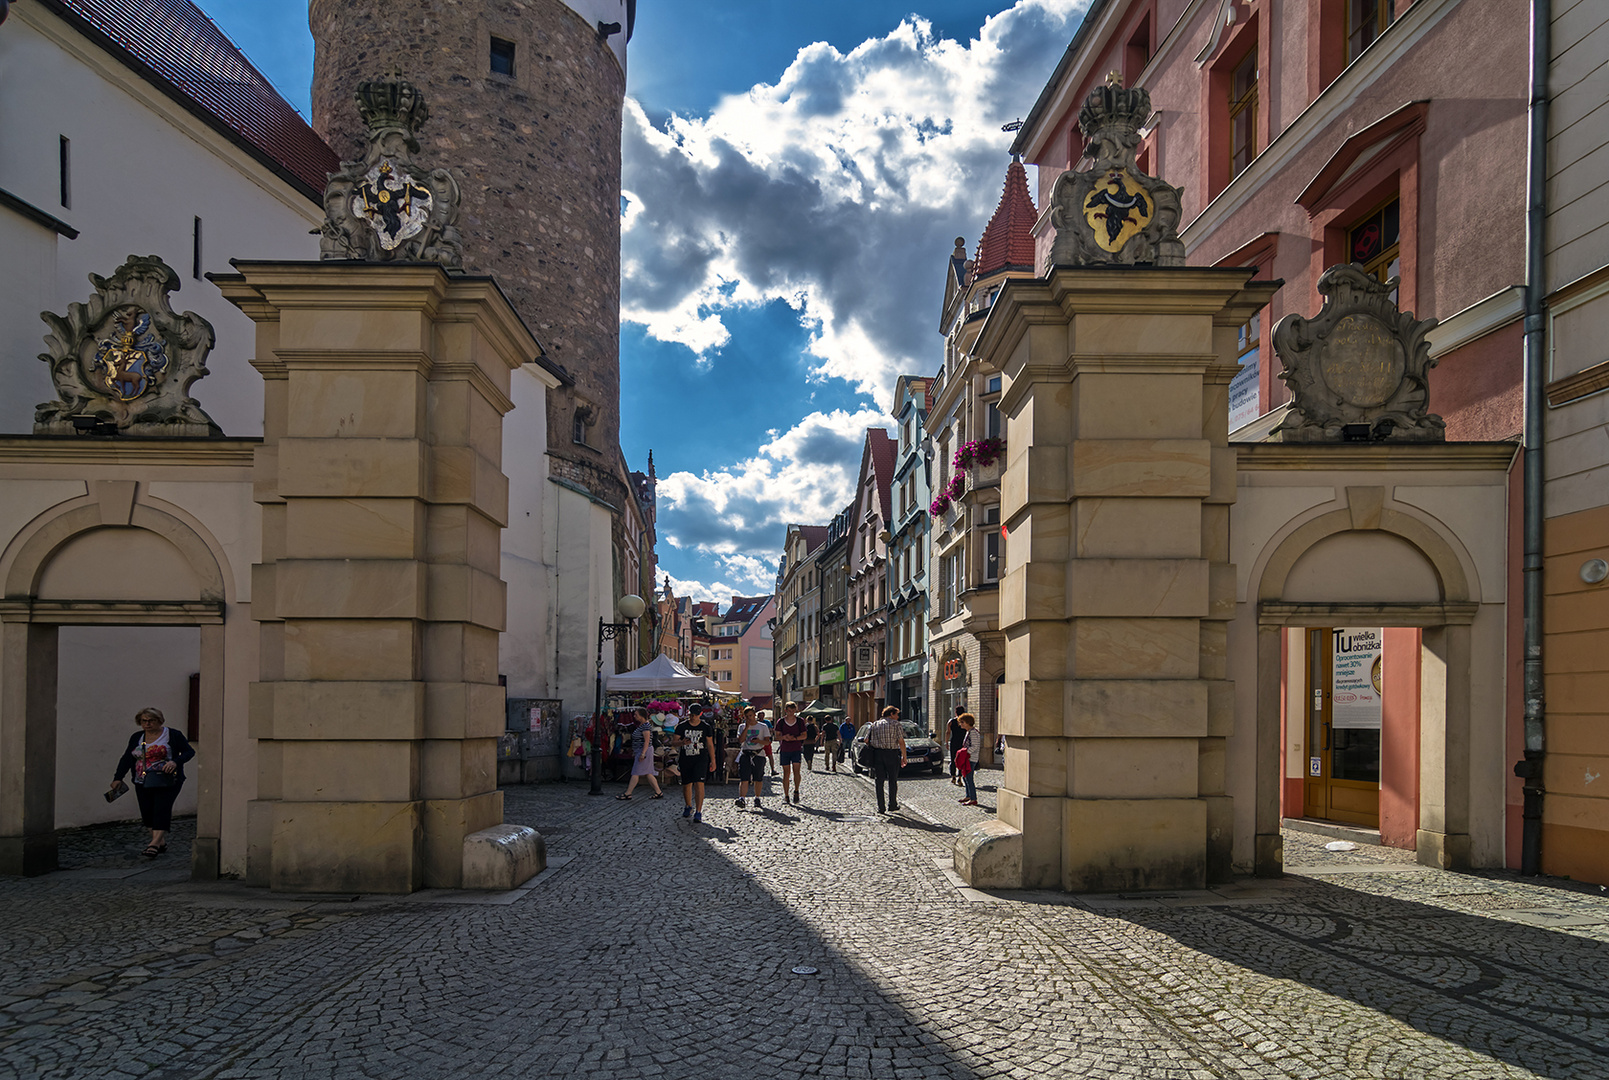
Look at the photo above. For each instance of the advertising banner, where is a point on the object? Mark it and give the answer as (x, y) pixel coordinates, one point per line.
(1243, 403)
(1356, 685)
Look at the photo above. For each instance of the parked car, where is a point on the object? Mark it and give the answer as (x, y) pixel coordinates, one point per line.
(921, 750)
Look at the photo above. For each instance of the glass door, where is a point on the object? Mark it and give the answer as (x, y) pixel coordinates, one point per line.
(1344, 681)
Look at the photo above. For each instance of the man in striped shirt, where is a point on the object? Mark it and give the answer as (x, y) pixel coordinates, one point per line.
(886, 737)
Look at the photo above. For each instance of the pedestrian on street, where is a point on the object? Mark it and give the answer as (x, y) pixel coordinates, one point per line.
(695, 743)
(829, 744)
(642, 756)
(790, 733)
(956, 736)
(812, 737)
(886, 737)
(966, 756)
(753, 740)
(156, 755)
(846, 735)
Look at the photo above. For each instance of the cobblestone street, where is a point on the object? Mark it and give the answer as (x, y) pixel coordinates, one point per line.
(656, 947)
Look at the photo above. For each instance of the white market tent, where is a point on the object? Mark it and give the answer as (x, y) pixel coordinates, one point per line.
(661, 675)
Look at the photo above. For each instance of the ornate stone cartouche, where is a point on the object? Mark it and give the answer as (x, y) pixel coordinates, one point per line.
(385, 207)
(1359, 369)
(125, 359)
(1114, 213)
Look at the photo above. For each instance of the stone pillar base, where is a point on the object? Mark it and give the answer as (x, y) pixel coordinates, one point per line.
(28, 855)
(1269, 856)
(448, 824)
(365, 847)
(1447, 851)
(1115, 845)
(988, 855)
(204, 859)
(503, 857)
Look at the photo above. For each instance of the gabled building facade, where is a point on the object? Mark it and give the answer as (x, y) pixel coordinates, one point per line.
(908, 552)
(868, 578)
(832, 568)
(794, 643)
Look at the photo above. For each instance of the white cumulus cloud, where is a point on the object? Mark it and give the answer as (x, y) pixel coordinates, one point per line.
(838, 189)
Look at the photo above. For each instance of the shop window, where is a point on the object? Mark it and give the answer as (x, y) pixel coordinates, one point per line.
(1366, 20)
(1243, 114)
(502, 57)
(1375, 243)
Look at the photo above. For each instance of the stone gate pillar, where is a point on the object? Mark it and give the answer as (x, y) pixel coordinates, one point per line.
(1119, 586)
(379, 593)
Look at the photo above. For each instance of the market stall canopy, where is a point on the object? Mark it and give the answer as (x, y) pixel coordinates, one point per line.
(661, 675)
(818, 708)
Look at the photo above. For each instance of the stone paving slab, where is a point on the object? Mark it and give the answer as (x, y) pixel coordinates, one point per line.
(656, 947)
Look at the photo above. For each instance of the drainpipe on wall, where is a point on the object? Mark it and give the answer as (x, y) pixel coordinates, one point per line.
(1530, 769)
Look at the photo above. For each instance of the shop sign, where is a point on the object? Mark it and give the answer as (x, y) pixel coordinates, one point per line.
(953, 668)
(1355, 701)
(830, 675)
(863, 658)
(864, 686)
(906, 670)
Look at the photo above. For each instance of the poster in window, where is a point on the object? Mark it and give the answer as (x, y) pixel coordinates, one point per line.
(1356, 700)
(1243, 395)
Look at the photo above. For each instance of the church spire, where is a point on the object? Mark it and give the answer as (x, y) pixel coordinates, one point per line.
(1008, 241)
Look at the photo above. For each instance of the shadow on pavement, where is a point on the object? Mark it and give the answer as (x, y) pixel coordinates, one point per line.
(1536, 992)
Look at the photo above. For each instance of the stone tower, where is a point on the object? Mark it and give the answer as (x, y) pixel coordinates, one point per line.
(525, 104)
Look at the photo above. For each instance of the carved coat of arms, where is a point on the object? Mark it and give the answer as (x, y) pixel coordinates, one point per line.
(384, 206)
(1360, 368)
(1114, 213)
(124, 359)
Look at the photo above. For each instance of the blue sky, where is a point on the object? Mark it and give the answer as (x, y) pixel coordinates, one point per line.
(795, 175)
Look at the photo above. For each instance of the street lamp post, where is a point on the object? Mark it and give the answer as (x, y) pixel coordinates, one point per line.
(631, 606)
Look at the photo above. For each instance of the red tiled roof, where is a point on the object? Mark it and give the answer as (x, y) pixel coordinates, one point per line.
(178, 49)
(1008, 241)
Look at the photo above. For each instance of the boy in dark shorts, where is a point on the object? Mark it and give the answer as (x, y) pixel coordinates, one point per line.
(791, 734)
(695, 741)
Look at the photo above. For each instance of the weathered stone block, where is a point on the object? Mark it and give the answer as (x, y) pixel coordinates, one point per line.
(1127, 528)
(1136, 648)
(1113, 845)
(1134, 708)
(357, 468)
(988, 855)
(349, 771)
(503, 857)
(349, 589)
(1161, 588)
(354, 529)
(327, 710)
(1163, 468)
(362, 847)
(1145, 768)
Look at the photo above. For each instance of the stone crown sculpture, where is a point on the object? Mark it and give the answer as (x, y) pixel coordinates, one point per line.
(125, 359)
(1114, 213)
(1360, 369)
(385, 207)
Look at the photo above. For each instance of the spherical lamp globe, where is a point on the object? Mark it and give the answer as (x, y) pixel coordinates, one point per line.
(631, 606)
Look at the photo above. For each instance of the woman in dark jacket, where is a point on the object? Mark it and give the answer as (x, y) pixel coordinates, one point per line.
(156, 755)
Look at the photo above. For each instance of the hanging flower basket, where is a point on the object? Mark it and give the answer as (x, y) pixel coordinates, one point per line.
(979, 452)
(940, 504)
